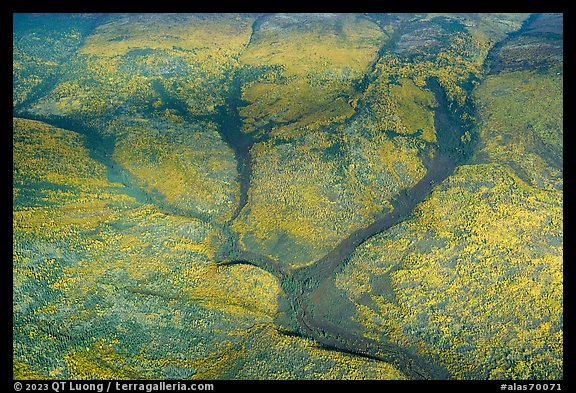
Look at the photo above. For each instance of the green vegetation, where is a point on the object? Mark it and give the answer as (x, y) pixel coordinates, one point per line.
(480, 265)
(106, 287)
(320, 57)
(521, 124)
(42, 44)
(199, 196)
(149, 94)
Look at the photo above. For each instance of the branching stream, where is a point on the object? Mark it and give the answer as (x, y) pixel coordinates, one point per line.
(302, 286)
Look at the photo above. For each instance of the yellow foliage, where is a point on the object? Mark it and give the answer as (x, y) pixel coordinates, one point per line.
(178, 30)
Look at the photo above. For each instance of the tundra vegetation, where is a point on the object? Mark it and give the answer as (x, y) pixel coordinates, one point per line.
(188, 192)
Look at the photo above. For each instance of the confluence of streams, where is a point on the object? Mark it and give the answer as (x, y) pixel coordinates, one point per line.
(298, 284)
(303, 286)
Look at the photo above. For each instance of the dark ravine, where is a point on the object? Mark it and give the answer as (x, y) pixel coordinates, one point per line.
(231, 133)
(387, 46)
(276, 268)
(300, 285)
(450, 151)
(256, 26)
(491, 65)
(100, 149)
